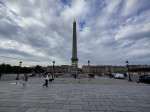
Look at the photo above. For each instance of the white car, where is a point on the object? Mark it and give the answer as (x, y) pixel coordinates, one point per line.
(119, 76)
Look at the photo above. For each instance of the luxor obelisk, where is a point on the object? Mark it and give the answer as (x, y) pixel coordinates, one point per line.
(74, 58)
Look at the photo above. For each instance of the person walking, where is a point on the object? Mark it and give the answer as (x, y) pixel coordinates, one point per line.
(46, 81)
(50, 77)
(25, 78)
(1, 75)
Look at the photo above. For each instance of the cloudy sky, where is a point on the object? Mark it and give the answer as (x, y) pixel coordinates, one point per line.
(108, 31)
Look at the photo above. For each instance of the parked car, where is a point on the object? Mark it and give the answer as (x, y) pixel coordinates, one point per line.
(32, 74)
(144, 78)
(109, 75)
(119, 76)
(100, 74)
(125, 74)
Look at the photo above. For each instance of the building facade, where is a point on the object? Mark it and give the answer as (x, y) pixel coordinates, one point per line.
(103, 69)
(135, 69)
(58, 69)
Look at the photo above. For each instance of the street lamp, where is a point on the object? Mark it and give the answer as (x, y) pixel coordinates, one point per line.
(89, 71)
(17, 78)
(53, 70)
(109, 70)
(128, 70)
(88, 63)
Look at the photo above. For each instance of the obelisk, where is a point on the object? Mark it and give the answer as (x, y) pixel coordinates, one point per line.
(74, 58)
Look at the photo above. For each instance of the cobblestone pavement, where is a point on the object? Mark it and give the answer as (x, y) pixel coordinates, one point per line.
(75, 95)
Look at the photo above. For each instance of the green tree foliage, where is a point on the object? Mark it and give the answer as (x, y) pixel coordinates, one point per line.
(38, 69)
(6, 68)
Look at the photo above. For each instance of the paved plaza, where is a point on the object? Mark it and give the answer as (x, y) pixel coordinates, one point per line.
(101, 94)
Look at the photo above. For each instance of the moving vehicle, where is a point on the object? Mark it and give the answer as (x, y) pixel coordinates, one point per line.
(119, 76)
(144, 78)
(32, 74)
(109, 75)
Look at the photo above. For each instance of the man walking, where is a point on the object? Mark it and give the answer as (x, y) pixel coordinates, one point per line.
(1, 75)
(46, 81)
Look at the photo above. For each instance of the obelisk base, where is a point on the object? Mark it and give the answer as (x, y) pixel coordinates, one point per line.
(74, 70)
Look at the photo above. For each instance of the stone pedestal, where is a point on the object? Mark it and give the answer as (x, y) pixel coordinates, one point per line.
(74, 70)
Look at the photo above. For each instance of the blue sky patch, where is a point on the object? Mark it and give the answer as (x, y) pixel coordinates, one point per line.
(81, 25)
(66, 2)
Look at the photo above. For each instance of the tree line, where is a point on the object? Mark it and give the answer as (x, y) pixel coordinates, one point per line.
(7, 68)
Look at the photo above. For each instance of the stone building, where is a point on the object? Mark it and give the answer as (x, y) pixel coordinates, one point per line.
(58, 69)
(103, 69)
(99, 69)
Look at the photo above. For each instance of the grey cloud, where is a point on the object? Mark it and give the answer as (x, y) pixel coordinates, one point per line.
(20, 55)
(138, 35)
(8, 29)
(14, 52)
(38, 42)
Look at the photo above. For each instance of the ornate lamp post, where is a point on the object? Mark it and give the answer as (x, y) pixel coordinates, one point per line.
(109, 70)
(89, 71)
(88, 63)
(128, 70)
(17, 78)
(53, 70)
(3, 68)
